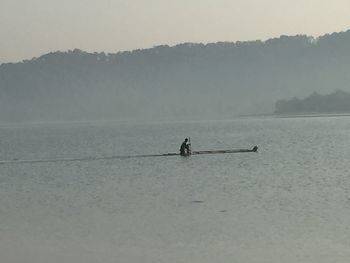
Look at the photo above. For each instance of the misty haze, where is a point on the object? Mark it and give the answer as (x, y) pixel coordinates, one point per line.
(186, 81)
(197, 151)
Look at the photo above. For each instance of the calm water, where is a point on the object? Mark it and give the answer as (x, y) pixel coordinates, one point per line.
(290, 202)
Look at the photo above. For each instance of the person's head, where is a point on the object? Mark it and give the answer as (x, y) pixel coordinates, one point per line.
(186, 140)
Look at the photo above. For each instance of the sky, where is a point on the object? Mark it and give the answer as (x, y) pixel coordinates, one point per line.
(31, 28)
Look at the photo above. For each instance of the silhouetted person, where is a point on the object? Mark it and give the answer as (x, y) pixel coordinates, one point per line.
(184, 149)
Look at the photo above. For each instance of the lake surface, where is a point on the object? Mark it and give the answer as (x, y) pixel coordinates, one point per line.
(290, 202)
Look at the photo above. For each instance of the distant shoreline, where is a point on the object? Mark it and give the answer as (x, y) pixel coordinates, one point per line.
(312, 115)
(302, 115)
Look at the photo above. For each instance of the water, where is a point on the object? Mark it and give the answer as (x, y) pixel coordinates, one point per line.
(290, 202)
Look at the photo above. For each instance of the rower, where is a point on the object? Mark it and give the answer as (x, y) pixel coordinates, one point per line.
(185, 148)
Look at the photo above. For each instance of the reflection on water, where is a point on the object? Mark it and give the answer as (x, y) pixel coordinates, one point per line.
(289, 202)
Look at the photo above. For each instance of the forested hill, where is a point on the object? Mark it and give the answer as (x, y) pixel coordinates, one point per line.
(336, 102)
(216, 80)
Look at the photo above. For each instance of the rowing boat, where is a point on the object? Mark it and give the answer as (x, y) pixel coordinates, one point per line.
(254, 149)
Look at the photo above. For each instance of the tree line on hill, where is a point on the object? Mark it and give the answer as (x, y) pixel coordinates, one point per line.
(335, 102)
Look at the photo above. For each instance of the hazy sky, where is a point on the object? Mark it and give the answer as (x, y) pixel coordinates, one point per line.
(30, 28)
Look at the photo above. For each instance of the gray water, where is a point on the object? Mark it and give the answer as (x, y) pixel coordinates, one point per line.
(290, 202)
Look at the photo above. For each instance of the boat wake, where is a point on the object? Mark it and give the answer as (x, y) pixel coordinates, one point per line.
(84, 159)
